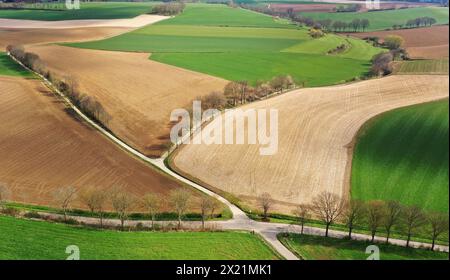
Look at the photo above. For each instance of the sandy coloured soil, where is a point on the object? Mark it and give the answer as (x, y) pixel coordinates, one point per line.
(428, 42)
(41, 36)
(139, 93)
(43, 146)
(136, 22)
(316, 129)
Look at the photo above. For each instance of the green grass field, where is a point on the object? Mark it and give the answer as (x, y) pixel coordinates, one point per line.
(314, 70)
(220, 15)
(24, 240)
(438, 66)
(380, 20)
(321, 248)
(111, 10)
(238, 44)
(403, 155)
(9, 68)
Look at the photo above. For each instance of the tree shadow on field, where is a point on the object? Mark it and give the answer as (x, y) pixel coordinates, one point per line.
(74, 115)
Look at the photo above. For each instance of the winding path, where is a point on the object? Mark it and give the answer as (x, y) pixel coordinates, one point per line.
(240, 221)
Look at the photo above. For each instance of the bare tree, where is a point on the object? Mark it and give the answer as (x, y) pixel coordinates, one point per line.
(353, 214)
(265, 202)
(4, 194)
(288, 82)
(263, 89)
(214, 100)
(364, 24)
(121, 201)
(392, 217)
(215, 204)
(381, 64)
(328, 207)
(95, 200)
(232, 92)
(152, 204)
(375, 216)
(303, 213)
(439, 224)
(413, 218)
(179, 199)
(64, 197)
(243, 91)
(277, 83)
(206, 203)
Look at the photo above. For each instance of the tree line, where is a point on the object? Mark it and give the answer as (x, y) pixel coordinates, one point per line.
(237, 93)
(11, 5)
(117, 198)
(65, 84)
(348, 8)
(382, 62)
(420, 21)
(326, 24)
(371, 216)
(169, 9)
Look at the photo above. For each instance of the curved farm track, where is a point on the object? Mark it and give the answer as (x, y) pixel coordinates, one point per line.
(316, 129)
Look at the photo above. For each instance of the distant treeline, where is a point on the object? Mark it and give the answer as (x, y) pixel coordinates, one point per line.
(33, 5)
(169, 9)
(326, 24)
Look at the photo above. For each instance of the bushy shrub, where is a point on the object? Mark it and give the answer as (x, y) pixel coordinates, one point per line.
(381, 64)
(10, 211)
(32, 215)
(169, 9)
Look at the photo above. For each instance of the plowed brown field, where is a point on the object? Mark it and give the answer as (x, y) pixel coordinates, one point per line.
(316, 131)
(44, 146)
(427, 42)
(35, 36)
(138, 93)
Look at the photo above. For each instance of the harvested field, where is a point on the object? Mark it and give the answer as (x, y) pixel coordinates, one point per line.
(43, 146)
(41, 36)
(427, 42)
(138, 93)
(136, 22)
(439, 66)
(316, 130)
